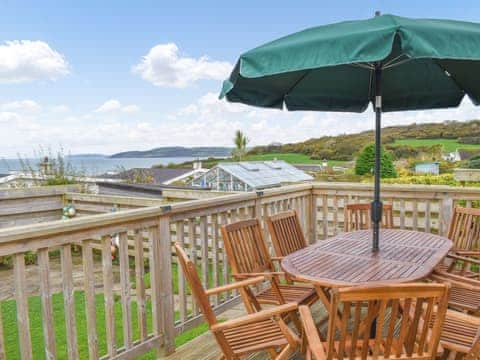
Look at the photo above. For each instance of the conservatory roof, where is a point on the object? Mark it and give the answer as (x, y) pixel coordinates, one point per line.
(261, 174)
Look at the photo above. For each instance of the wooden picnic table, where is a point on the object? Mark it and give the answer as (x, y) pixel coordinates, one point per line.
(347, 259)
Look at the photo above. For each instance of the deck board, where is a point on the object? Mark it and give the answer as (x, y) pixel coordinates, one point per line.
(204, 346)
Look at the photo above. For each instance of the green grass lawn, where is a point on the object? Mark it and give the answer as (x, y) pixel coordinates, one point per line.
(292, 158)
(449, 145)
(8, 309)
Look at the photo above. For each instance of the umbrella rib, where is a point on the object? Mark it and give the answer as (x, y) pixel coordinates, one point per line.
(449, 74)
(396, 64)
(296, 83)
(367, 66)
(392, 61)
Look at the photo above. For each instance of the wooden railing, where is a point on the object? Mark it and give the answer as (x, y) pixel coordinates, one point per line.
(142, 302)
(90, 204)
(416, 207)
(32, 205)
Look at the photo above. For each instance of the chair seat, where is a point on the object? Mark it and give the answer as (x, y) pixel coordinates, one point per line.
(255, 337)
(456, 335)
(465, 299)
(301, 295)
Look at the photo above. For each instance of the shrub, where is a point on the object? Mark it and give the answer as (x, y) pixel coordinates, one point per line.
(366, 161)
(53, 169)
(474, 162)
(445, 179)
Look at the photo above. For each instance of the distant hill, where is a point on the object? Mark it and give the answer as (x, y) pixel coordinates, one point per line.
(88, 156)
(346, 146)
(177, 151)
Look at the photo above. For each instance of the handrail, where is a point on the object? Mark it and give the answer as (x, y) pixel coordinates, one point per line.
(59, 226)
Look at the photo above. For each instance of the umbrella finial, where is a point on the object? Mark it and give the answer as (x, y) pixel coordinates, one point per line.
(378, 13)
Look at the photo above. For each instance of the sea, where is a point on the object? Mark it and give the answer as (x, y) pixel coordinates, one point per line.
(94, 165)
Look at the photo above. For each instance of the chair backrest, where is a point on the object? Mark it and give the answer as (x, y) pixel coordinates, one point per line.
(246, 248)
(464, 228)
(396, 321)
(286, 232)
(358, 217)
(196, 286)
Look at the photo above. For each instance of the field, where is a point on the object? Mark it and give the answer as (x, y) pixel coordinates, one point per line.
(449, 145)
(292, 158)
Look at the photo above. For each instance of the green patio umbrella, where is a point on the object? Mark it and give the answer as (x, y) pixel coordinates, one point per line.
(393, 62)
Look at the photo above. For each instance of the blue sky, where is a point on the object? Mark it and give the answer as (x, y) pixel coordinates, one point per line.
(107, 76)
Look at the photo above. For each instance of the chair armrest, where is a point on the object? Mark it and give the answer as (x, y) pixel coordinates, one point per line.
(255, 317)
(277, 258)
(463, 258)
(238, 284)
(267, 275)
(310, 331)
(467, 252)
(456, 280)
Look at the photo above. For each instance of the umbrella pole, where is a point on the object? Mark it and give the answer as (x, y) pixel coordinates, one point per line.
(377, 206)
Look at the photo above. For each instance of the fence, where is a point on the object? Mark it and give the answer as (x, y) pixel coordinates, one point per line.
(144, 302)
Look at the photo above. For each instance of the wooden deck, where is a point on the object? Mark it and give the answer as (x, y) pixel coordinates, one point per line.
(147, 229)
(204, 347)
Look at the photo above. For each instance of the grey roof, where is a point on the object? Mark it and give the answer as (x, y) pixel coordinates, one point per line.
(261, 174)
(159, 175)
(151, 189)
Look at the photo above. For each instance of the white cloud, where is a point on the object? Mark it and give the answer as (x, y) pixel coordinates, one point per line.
(7, 117)
(109, 105)
(25, 60)
(130, 108)
(164, 66)
(60, 109)
(113, 105)
(21, 106)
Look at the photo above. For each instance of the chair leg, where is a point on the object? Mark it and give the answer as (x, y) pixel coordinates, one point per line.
(296, 322)
(308, 355)
(285, 353)
(273, 353)
(452, 355)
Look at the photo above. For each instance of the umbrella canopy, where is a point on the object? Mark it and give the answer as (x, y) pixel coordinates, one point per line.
(393, 62)
(426, 64)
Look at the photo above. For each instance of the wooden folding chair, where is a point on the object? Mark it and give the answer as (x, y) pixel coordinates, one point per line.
(461, 335)
(286, 233)
(249, 257)
(263, 330)
(358, 217)
(465, 291)
(401, 321)
(464, 231)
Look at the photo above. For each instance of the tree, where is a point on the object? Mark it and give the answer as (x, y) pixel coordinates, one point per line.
(366, 162)
(240, 141)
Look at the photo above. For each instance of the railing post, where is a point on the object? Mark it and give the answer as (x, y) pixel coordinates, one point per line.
(257, 213)
(161, 286)
(312, 217)
(446, 211)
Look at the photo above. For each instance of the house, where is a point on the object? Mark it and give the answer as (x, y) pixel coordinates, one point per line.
(452, 157)
(467, 154)
(161, 176)
(432, 168)
(250, 176)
